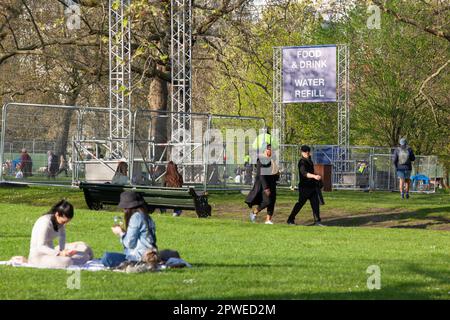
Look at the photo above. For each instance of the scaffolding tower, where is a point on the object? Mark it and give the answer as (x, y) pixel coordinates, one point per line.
(119, 78)
(181, 75)
(341, 161)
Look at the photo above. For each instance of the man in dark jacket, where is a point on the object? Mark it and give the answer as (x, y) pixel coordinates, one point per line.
(307, 187)
(403, 157)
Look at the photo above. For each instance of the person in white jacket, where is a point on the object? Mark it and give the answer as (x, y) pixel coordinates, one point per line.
(49, 227)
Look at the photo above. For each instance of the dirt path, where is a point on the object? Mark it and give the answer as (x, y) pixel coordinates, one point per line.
(376, 217)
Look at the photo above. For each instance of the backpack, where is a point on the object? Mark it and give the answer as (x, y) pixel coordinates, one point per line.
(403, 155)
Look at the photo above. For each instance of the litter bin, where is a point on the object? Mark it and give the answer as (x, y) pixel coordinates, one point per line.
(325, 171)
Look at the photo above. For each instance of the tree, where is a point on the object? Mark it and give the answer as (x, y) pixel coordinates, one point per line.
(79, 57)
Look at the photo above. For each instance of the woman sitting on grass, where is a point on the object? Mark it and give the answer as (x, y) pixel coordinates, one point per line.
(139, 234)
(50, 226)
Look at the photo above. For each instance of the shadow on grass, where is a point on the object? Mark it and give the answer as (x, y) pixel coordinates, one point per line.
(247, 265)
(441, 275)
(437, 288)
(407, 291)
(396, 218)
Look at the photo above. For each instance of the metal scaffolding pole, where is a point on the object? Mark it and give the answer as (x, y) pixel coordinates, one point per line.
(342, 155)
(119, 77)
(181, 66)
(279, 112)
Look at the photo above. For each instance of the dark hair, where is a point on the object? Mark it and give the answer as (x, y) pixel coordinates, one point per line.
(129, 212)
(305, 148)
(173, 178)
(122, 168)
(64, 208)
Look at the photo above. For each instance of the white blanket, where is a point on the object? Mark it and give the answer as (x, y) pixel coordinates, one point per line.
(92, 265)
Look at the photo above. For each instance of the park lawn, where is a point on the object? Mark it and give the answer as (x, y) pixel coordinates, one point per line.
(342, 208)
(233, 259)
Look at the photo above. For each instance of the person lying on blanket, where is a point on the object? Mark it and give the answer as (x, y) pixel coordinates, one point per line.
(139, 234)
(49, 226)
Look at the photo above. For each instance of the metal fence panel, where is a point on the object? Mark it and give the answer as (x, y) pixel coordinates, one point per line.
(40, 131)
(221, 154)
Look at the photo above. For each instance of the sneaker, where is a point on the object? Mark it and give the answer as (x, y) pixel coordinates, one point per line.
(252, 217)
(176, 213)
(268, 222)
(407, 196)
(291, 223)
(318, 224)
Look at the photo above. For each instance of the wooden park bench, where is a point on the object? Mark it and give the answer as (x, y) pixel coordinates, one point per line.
(99, 194)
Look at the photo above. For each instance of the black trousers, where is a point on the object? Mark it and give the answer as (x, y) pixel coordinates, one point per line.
(268, 202)
(304, 195)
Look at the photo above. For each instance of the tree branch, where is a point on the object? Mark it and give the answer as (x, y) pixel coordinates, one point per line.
(38, 32)
(407, 20)
(424, 83)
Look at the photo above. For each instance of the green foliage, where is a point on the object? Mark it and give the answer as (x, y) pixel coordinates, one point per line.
(115, 5)
(387, 68)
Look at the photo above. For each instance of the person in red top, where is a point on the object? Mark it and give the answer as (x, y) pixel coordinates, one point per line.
(173, 179)
(26, 164)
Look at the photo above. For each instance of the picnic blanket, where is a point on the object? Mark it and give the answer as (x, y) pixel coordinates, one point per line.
(96, 265)
(92, 265)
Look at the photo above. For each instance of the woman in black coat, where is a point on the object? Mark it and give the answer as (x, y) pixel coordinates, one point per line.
(308, 188)
(263, 194)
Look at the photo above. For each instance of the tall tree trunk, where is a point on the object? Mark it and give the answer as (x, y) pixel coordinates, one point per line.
(158, 101)
(63, 137)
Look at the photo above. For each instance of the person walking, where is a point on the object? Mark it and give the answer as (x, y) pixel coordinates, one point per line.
(308, 187)
(264, 192)
(62, 165)
(403, 158)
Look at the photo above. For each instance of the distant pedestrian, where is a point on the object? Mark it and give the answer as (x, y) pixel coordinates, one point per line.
(403, 158)
(248, 175)
(52, 164)
(308, 187)
(62, 165)
(26, 164)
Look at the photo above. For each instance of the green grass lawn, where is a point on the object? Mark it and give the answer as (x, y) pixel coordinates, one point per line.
(233, 259)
